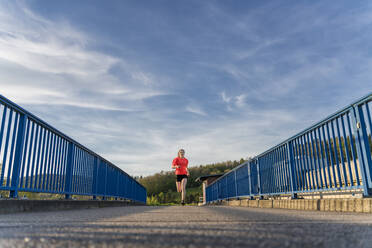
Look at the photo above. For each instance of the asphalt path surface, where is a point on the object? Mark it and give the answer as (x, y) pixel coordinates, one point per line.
(185, 226)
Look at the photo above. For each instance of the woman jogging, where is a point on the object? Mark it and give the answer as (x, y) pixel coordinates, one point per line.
(180, 164)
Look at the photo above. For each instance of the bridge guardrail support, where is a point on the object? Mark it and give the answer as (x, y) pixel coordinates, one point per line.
(69, 168)
(364, 154)
(259, 180)
(291, 169)
(13, 193)
(95, 176)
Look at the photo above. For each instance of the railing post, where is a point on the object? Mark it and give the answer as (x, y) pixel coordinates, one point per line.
(227, 189)
(364, 154)
(105, 192)
(249, 179)
(13, 193)
(95, 176)
(291, 169)
(259, 179)
(236, 185)
(117, 183)
(69, 169)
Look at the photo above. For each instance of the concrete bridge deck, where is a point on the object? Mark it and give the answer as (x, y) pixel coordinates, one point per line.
(185, 226)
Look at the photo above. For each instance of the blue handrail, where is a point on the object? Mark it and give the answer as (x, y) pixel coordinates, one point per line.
(332, 155)
(36, 157)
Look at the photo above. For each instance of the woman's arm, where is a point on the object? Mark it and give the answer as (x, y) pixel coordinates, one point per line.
(174, 165)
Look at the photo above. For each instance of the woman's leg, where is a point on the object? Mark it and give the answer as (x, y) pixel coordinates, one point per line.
(183, 184)
(178, 185)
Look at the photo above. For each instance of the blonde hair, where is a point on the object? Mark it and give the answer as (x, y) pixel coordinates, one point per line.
(180, 150)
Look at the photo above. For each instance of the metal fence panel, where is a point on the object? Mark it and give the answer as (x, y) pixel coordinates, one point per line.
(334, 154)
(36, 157)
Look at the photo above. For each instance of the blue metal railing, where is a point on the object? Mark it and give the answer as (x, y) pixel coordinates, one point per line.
(332, 155)
(36, 157)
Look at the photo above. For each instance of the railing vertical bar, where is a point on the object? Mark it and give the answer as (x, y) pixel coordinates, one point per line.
(6, 146)
(57, 164)
(329, 147)
(38, 167)
(341, 152)
(75, 170)
(307, 165)
(83, 170)
(369, 117)
(315, 160)
(279, 170)
(285, 168)
(95, 176)
(320, 160)
(75, 173)
(53, 164)
(93, 171)
(296, 173)
(18, 155)
(50, 160)
(282, 166)
(91, 175)
(274, 168)
(288, 169)
(65, 165)
(336, 153)
(236, 185)
(352, 145)
(44, 156)
(347, 150)
(78, 170)
(47, 160)
(327, 157)
(249, 177)
(28, 163)
(292, 169)
(314, 180)
(312, 159)
(87, 173)
(322, 157)
(3, 120)
(266, 174)
(300, 172)
(12, 147)
(69, 168)
(62, 164)
(24, 152)
(364, 150)
(269, 173)
(33, 156)
(302, 162)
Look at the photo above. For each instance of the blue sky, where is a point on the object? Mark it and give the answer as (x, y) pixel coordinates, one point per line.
(136, 80)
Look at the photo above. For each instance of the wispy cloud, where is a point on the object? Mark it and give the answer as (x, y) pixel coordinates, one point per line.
(195, 110)
(71, 73)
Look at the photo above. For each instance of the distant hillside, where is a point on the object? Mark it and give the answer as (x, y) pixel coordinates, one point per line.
(161, 187)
